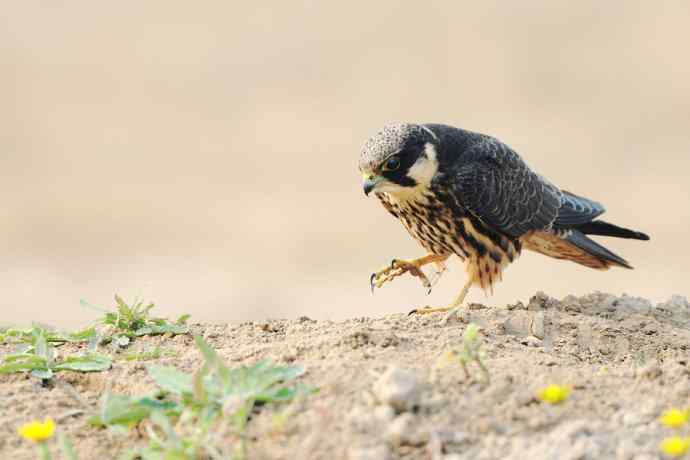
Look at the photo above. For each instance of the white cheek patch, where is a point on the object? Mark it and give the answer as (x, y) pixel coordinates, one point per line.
(390, 187)
(425, 167)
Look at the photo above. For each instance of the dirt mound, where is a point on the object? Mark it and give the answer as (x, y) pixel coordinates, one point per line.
(387, 390)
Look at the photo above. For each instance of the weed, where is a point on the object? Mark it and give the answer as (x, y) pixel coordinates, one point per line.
(148, 354)
(14, 336)
(194, 415)
(133, 320)
(40, 358)
(469, 352)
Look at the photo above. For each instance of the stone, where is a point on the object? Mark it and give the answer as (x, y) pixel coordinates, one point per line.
(539, 325)
(404, 431)
(399, 388)
(532, 341)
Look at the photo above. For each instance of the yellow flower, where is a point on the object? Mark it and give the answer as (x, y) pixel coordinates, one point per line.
(37, 431)
(675, 446)
(675, 418)
(554, 394)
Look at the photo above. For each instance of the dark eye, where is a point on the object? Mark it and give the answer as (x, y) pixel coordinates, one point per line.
(392, 164)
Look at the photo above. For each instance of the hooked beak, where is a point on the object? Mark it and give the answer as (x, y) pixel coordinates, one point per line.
(370, 183)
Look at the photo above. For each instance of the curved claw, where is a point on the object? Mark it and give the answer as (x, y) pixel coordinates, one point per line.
(399, 267)
(428, 310)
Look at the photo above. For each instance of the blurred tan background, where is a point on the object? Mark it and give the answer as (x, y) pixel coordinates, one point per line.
(204, 156)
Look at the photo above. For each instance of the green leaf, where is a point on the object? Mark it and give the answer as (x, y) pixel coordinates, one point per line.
(209, 354)
(170, 379)
(87, 363)
(119, 410)
(25, 356)
(283, 394)
(158, 329)
(157, 404)
(284, 374)
(110, 318)
(183, 319)
(20, 363)
(145, 355)
(41, 344)
(121, 305)
(43, 374)
(471, 333)
(82, 336)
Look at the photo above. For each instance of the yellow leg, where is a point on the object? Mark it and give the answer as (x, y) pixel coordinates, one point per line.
(451, 308)
(400, 267)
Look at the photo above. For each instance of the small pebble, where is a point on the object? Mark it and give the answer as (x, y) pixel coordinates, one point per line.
(398, 388)
(404, 431)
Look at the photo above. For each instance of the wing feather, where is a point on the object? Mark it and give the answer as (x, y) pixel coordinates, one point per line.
(577, 210)
(493, 183)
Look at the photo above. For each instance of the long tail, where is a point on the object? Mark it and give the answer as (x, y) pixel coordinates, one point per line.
(599, 227)
(604, 257)
(572, 244)
(567, 238)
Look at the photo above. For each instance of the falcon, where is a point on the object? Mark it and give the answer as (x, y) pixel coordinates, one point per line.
(466, 194)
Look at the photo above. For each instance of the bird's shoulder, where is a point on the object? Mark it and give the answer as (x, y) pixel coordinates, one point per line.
(494, 183)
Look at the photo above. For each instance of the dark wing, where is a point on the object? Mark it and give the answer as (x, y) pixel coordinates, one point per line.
(492, 182)
(577, 210)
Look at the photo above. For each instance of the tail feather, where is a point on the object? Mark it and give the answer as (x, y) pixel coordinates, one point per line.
(599, 227)
(575, 246)
(591, 247)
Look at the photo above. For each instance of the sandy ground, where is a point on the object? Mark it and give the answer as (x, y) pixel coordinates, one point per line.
(384, 395)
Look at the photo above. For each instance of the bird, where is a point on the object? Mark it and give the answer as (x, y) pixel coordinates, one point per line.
(466, 194)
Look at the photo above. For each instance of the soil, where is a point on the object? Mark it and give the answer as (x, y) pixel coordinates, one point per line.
(387, 392)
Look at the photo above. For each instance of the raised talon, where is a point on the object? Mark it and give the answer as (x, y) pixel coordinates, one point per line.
(399, 267)
(396, 269)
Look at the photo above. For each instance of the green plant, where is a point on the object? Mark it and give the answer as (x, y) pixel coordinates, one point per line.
(470, 351)
(40, 358)
(148, 354)
(14, 336)
(130, 321)
(194, 415)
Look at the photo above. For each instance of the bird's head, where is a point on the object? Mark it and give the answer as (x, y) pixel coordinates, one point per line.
(399, 160)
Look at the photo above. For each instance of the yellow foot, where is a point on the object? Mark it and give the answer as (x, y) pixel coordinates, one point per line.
(400, 267)
(397, 268)
(429, 310)
(450, 310)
